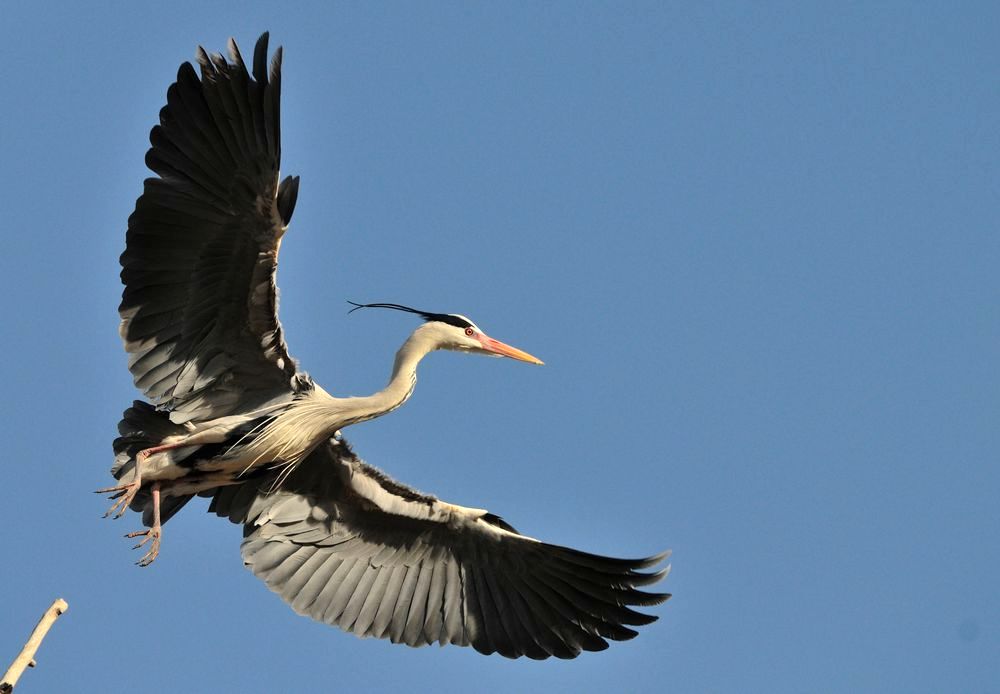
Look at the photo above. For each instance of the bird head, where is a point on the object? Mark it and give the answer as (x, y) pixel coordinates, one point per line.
(455, 332)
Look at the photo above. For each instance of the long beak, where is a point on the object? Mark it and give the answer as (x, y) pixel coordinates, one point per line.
(497, 347)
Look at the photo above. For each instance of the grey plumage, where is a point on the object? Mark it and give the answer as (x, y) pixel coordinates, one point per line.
(232, 418)
(390, 574)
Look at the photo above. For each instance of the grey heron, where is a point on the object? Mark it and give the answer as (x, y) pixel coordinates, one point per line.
(233, 418)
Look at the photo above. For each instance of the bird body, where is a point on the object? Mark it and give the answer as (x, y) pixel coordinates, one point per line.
(282, 434)
(233, 418)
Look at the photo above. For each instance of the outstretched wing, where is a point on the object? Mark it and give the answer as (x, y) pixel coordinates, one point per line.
(199, 308)
(344, 544)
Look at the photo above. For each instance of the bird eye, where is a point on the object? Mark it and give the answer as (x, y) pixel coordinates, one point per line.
(470, 332)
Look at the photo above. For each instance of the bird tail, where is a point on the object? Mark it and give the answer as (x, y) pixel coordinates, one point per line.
(143, 426)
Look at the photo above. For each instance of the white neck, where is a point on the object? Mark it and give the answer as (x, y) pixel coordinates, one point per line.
(401, 383)
(290, 436)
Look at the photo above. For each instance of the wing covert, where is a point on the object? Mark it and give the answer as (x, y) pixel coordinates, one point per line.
(199, 308)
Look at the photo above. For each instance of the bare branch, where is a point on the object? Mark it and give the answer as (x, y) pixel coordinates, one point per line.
(26, 658)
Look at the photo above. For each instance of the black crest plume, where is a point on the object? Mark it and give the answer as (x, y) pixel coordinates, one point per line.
(448, 318)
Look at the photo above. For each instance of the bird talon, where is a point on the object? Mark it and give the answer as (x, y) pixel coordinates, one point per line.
(150, 556)
(152, 535)
(110, 490)
(122, 495)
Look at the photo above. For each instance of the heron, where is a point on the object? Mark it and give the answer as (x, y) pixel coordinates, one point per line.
(231, 416)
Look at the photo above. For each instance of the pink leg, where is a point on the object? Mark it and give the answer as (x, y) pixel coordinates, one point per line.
(154, 533)
(159, 449)
(124, 493)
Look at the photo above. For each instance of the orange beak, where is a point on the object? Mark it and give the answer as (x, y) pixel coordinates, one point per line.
(497, 347)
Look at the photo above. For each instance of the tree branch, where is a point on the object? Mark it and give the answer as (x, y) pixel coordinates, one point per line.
(26, 658)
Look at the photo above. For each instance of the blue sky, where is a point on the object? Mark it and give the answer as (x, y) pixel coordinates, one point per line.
(755, 243)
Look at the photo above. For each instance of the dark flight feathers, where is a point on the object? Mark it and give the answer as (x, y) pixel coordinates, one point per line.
(199, 309)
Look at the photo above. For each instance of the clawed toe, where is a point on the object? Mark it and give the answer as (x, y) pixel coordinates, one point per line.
(152, 535)
(123, 495)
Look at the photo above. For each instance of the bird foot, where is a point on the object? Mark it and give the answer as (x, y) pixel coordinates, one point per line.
(123, 495)
(151, 535)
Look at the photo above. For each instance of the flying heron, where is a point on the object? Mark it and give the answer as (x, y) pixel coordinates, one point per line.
(234, 419)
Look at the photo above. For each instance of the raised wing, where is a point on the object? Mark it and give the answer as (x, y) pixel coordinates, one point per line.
(199, 309)
(344, 544)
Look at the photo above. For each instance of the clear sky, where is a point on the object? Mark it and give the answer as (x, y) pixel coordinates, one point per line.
(756, 244)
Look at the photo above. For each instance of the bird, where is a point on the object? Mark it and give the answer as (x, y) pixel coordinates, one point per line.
(230, 415)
